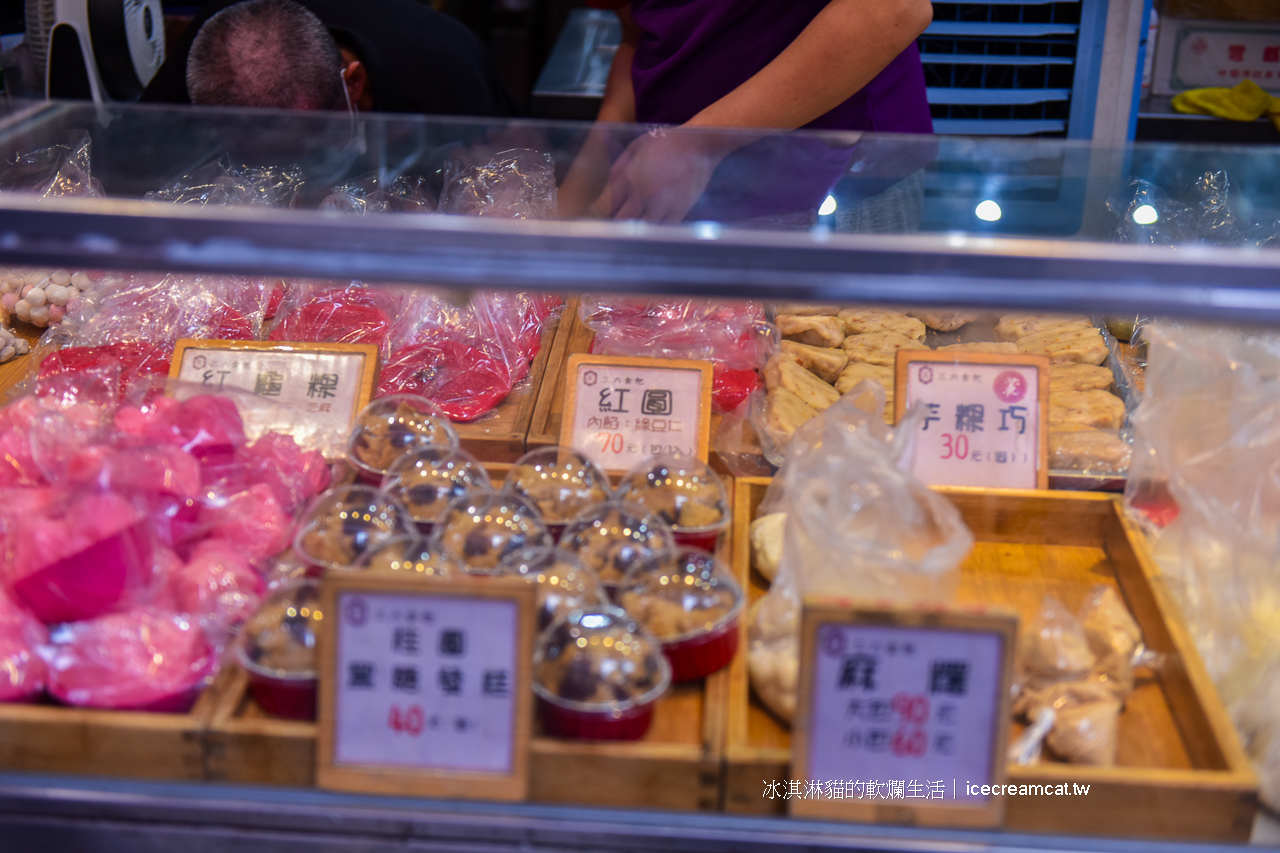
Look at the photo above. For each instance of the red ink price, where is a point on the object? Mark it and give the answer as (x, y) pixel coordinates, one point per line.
(957, 446)
(912, 709)
(611, 442)
(409, 721)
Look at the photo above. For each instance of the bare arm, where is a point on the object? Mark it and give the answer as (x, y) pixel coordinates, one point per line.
(589, 172)
(834, 57)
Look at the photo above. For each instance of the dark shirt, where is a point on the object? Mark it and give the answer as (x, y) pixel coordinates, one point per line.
(419, 60)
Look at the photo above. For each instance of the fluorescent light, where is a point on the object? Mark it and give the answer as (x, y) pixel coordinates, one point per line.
(987, 211)
(828, 206)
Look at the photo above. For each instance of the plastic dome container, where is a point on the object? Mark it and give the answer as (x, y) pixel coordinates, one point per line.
(597, 675)
(426, 481)
(410, 555)
(613, 537)
(685, 493)
(559, 482)
(480, 531)
(692, 604)
(277, 646)
(340, 525)
(564, 584)
(390, 427)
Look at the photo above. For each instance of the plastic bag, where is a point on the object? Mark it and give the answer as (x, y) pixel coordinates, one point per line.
(58, 170)
(41, 296)
(222, 182)
(1053, 647)
(733, 336)
(144, 660)
(371, 194)
(858, 526)
(514, 184)
(1206, 484)
(11, 346)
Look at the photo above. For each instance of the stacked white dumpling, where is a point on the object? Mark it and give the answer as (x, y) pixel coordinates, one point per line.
(1084, 415)
(11, 346)
(41, 297)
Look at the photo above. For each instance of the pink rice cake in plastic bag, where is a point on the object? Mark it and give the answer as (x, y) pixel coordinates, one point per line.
(143, 659)
(252, 518)
(79, 557)
(217, 585)
(294, 475)
(22, 670)
(208, 426)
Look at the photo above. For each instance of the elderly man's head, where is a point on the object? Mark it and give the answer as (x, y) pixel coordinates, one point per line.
(270, 53)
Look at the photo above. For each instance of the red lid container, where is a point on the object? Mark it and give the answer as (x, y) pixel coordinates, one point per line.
(685, 493)
(278, 649)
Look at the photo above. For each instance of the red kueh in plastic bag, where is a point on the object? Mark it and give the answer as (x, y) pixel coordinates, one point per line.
(22, 670)
(79, 557)
(252, 518)
(294, 475)
(335, 316)
(136, 361)
(462, 380)
(146, 660)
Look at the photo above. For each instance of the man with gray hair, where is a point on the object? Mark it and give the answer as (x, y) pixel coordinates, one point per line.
(266, 53)
(374, 55)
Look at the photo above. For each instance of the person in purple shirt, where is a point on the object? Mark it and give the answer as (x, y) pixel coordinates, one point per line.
(758, 65)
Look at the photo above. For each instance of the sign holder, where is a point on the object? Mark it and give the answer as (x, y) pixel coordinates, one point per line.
(824, 614)
(407, 779)
(906, 358)
(571, 431)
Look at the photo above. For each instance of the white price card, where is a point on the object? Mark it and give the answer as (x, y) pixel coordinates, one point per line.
(620, 411)
(903, 714)
(985, 417)
(425, 686)
(323, 385)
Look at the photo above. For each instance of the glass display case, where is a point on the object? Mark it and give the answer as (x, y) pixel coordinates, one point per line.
(797, 263)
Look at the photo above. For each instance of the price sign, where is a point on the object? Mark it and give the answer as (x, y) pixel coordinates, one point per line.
(902, 715)
(328, 384)
(425, 687)
(986, 417)
(624, 410)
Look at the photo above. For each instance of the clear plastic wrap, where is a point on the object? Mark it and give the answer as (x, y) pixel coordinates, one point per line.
(145, 660)
(319, 312)
(514, 184)
(857, 526)
(41, 296)
(22, 670)
(58, 170)
(373, 194)
(11, 346)
(733, 336)
(223, 182)
(1206, 484)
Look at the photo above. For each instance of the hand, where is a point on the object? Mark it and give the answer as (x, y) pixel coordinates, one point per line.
(662, 175)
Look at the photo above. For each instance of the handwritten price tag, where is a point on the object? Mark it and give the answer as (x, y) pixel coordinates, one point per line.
(328, 384)
(986, 417)
(911, 707)
(428, 684)
(624, 410)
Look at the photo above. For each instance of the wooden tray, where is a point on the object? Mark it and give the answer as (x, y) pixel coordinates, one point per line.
(677, 765)
(1181, 771)
(548, 413)
(55, 739)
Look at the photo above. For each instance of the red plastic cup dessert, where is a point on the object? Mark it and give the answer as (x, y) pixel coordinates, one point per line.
(278, 649)
(597, 675)
(410, 555)
(342, 524)
(392, 426)
(564, 584)
(613, 537)
(482, 530)
(426, 481)
(685, 493)
(559, 482)
(692, 605)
